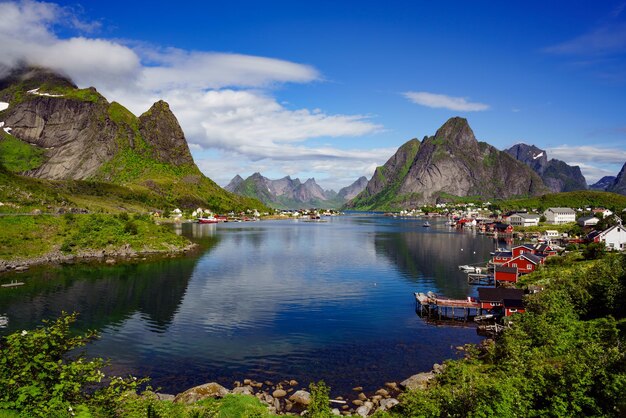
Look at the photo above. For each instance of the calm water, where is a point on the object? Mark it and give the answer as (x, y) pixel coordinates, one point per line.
(267, 300)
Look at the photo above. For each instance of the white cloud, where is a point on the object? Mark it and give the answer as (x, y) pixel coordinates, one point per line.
(588, 154)
(222, 100)
(442, 101)
(594, 162)
(607, 39)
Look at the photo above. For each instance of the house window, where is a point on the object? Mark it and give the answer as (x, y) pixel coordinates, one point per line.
(514, 264)
(529, 266)
(512, 310)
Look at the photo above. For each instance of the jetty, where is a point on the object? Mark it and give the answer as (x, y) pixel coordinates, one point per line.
(480, 279)
(429, 304)
(12, 284)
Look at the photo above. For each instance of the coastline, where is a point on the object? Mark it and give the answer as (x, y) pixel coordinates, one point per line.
(108, 256)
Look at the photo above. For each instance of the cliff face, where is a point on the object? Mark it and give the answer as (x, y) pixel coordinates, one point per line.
(349, 192)
(84, 137)
(77, 141)
(603, 184)
(619, 185)
(450, 163)
(556, 174)
(160, 129)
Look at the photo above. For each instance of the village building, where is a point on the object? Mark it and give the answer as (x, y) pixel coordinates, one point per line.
(603, 212)
(525, 263)
(613, 238)
(559, 216)
(524, 219)
(588, 221)
(505, 274)
(507, 300)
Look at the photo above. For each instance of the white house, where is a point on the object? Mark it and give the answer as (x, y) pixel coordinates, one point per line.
(604, 212)
(613, 238)
(588, 221)
(558, 216)
(524, 219)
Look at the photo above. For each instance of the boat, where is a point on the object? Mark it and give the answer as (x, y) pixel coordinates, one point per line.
(426, 224)
(208, 220)
(467, 269)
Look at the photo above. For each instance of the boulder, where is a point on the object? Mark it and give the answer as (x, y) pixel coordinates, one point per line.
(365, 409)
(392, 386)
(336, 412)
(243, 390)
(301, 397)
(279, 393)
(387, 404)
(293, 383)
(417, 381)
(382, 392)
(195, 394)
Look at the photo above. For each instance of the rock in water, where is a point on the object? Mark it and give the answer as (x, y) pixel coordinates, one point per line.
(302, 397)
(208, 390)
(418, 381)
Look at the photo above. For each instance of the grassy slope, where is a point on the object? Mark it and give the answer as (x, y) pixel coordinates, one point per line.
(32, 236)
(580, 198)
(131, 181)
(388, 198)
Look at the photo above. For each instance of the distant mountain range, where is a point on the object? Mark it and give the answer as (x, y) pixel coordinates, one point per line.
(288, 193)
(450, 164)
(556, 174)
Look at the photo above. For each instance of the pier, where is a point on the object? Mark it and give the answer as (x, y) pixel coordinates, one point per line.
(429, 304)
(480, 279)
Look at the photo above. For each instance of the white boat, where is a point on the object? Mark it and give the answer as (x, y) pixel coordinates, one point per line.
(467, 269)
(426, 224)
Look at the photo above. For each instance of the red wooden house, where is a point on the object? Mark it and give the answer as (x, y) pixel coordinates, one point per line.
(525, 263)
(505, 274)
(501, 257)
(500, 298)
(512, 306)
(536, 249)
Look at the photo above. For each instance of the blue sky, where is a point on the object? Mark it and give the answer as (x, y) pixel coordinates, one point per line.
(330, 89)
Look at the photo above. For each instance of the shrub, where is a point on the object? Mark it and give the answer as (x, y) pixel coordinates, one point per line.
(319, 406)
(39, 376)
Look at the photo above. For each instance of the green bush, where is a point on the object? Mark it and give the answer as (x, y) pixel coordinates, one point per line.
(320, 399)
(42, 375)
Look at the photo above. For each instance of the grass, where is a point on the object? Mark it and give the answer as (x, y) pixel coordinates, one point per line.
(26, 237)
(18, 156)
(576, 199)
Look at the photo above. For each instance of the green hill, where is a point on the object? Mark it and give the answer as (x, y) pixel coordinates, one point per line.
(70, 146)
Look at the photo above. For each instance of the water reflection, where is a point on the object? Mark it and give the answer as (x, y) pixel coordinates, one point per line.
(301, 300)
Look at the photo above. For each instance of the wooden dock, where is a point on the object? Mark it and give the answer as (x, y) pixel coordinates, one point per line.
(428, 304)
(480, 279)
(12, 284)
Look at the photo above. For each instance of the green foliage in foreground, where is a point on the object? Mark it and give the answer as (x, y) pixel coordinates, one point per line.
(32, 236)
(39, 378)
(43, 375)
(564, 357)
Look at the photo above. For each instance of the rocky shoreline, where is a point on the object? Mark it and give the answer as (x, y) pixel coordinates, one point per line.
(289, 397)
(108, 256)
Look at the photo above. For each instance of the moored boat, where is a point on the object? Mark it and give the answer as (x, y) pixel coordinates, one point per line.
(208, 220)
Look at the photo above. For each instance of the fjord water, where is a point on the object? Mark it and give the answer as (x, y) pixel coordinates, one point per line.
(267, 300)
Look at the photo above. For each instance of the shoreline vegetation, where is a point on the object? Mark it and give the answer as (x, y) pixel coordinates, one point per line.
(46, 239)
(563, 357)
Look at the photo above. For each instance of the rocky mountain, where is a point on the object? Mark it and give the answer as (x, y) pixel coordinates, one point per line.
(619, 185)
(350, 192)
(556, 174)
(288, 193)
(603, 184)
(79, 135)
(450, 164)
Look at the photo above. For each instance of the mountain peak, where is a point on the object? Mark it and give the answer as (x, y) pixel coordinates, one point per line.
(456, 130)
(160, 129)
